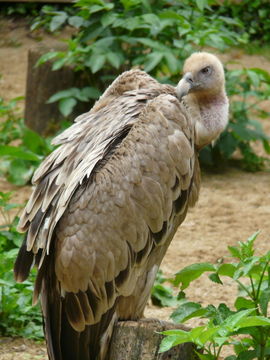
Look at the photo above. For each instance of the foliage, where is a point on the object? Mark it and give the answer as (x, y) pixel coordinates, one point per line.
(254, 15)
(247, 327)
(19, 9)
(21, 149)
(17, 316)
(54, 17)
(69, 98)
(114, 36)
(162, 295)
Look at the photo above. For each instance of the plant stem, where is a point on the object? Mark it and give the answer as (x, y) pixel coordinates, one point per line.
(219, 351)
(254, 298)
(261, 279)
(244, 288)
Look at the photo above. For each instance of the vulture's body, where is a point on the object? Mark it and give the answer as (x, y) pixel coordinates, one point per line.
(106, 205)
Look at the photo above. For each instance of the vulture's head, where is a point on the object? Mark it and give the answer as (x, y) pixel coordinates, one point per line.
(203, 78)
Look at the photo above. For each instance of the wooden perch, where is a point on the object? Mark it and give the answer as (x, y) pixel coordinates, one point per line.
(139, 340)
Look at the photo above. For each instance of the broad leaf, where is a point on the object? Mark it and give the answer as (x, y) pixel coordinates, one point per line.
(17, 152)
(190, 273)
(242, 303)
(46, 57)
(76, 21)
(58, 21)
(252, 321)
(187, 311)
(264, 300)
(66, 106)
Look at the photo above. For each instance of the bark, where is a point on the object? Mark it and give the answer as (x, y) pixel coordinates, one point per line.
(139, 340)
(42, 83)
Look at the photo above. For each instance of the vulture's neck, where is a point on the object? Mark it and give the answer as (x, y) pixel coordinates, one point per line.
(213, 109)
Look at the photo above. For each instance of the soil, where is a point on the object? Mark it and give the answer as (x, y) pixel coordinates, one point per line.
(232, 205)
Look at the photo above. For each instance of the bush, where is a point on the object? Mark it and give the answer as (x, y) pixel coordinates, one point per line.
(246, 329)
(17, 316)
(114, 36)
(254, 16)
(21, 149)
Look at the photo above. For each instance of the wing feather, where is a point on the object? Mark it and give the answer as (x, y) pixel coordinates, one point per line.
(83, 146)
(126, 222)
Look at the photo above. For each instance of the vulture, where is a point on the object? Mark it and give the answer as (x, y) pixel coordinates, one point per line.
(109, 199)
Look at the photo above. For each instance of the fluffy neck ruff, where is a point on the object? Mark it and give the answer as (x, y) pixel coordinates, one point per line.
(214, 111)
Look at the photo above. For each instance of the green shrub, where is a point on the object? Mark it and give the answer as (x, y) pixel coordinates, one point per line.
(254, 16)
(158, 37)
(246, 328)
(21, 149)
(17, 316)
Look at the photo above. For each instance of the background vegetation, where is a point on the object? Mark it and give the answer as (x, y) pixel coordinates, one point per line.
(111, 37)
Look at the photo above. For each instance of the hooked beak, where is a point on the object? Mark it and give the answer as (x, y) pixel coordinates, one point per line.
(185, 85)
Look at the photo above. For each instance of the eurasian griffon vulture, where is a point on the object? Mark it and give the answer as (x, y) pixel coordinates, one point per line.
(109, 200)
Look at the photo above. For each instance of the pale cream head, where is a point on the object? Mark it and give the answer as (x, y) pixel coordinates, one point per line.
(204, 80)
(203, 72)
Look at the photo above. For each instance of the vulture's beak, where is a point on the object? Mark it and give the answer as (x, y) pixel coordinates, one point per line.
(185, 85)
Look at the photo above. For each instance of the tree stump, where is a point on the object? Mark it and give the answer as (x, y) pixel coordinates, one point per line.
(42, 83)
(139, 340)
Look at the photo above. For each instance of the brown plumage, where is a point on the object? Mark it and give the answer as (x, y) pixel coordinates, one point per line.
(108, 201)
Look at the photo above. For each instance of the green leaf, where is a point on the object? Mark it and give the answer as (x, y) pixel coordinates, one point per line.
(167, 343)
(20, 172)
(207, 335)
(215, 278)
(163, 295)
(187, 311)
(152, 44)
(266, 146)
(246, 267)
(235, 252)
(46, 57)
(114, 59)
(34, 142)
(57, 21)
(172, 62)
(108, 18)
(264, 300)
(63, 94)
(252, 321)
(17, 152)
(242, 303)
(76, 21)
(190, 273)
(175, 337)
(254, 78)
(96, 62)
(201, 4)
(58, 64)
(235, 321)
(66, 106)
(227, 270)
(152, 60)
(90, 92)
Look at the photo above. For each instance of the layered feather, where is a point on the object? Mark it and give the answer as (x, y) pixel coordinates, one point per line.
(106, 205)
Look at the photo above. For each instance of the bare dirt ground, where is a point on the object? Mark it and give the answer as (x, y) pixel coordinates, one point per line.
(232, 205)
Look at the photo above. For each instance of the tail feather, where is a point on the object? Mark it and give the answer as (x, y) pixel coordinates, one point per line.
(24, 262)
(63, 342)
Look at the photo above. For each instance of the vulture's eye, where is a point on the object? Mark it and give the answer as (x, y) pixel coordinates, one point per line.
(206, 71)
